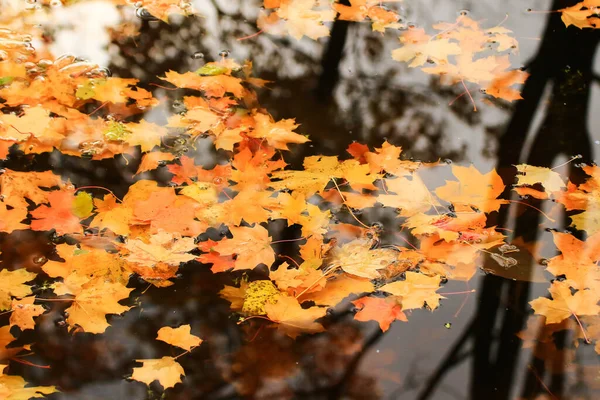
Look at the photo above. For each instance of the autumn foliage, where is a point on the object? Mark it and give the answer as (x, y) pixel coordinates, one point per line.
(75, 107)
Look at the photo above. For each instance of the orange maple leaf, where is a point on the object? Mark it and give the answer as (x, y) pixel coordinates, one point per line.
(59, 215)
(292, 319)
(383, 310)
(251, 245)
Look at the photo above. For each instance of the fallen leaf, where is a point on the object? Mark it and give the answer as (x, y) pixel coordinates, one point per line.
(383, 310)
(165, 370)
(180, 337)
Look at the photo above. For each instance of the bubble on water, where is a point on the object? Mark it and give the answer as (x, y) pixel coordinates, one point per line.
(39, 260)
(104, 71)
(198, 55)
(463, 13)
(224, 53)
(505, 248)
(503, 261)
(145, 15)
(448, 161)
(45, 63)
(377, 226)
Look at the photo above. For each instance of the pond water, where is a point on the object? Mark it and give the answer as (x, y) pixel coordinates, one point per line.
(341, 89)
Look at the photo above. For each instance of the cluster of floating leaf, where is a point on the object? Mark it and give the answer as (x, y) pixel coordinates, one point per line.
(75, 107)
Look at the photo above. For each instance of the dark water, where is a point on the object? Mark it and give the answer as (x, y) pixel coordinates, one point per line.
(341, 90)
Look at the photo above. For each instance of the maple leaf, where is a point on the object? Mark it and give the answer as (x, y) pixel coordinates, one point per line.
(298, 18)
(292, 318)
(582, 15)
(250, 206)
(163, 210)
(473, 189)
(212, 86)
(165, 370)
(184, 172)
(14, 388)
(12, 284)
(145, 134)
(235, 295)
(257, 295)
(219, 263)
(251, 245)
(577, 261)
(59, 215)
(277, 134)
(446, 226)
(530, 175)
(94, 301)
(423, 49)
(411, 196)
(318, 172)
(386, 158)
(358, 259)
(416, 291)
(383, 310)
(584, 196)
(180, 337)
(337, 290)
(298, 281)
(23, 312)
(564, 303)
(252, 170)
(163, 247)
(501, 86)
(111, 215)
(83, 264)
(10, 219)
(18, 186)
(153, 160)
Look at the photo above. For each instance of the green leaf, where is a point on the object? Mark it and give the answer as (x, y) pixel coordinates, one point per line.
(85, 92)
(83, 205)
(211, 70)
(116, 131)
(78, 252)
(5, 80)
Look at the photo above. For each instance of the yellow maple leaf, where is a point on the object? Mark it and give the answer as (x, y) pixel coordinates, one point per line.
(165, 370)
(252, 246)
(473, 189)
(12, 284)
(23, 312)
(94, 301)
(292, 318)
(180, 337)
(564, 303)
(358, 259)
(164, 247)
(416, 291)
(14, 388)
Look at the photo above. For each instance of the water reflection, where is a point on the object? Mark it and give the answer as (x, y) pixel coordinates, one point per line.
(340, 90)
